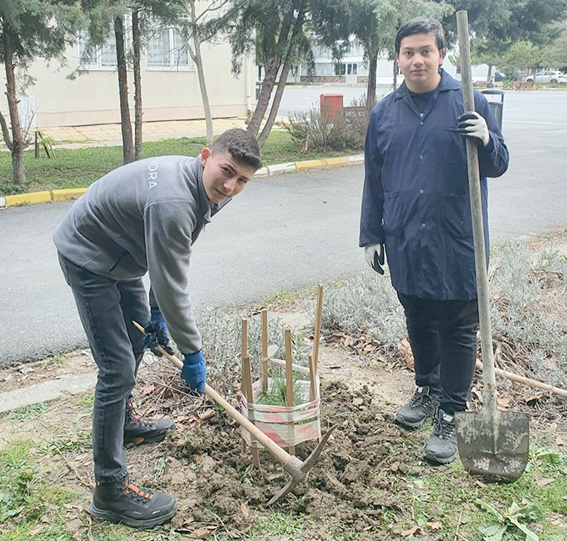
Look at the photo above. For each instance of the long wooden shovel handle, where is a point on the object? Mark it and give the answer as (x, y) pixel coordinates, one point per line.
(279, 454)
(526, 381)
(489, 391)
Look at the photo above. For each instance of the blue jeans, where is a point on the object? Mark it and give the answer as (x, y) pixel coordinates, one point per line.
(442, 335)
(107, 308)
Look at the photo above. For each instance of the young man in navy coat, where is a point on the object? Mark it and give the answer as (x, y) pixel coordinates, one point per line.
(416, 208)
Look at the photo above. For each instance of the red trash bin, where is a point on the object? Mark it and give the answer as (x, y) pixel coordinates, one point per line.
(331, 108)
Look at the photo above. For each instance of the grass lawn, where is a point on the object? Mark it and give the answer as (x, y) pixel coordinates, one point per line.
(78, 168)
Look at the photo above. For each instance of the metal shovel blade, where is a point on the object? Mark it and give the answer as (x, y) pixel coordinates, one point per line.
(493, 445)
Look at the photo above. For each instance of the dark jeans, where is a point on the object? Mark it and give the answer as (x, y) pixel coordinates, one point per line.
(442, 335)
(106, 308)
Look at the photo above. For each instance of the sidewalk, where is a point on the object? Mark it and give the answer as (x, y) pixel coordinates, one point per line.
(111, 135)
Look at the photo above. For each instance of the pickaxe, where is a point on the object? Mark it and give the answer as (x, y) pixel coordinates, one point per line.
(296, 468)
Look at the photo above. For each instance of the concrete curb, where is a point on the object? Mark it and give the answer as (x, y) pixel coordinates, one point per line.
(41, 197)
(308, 164)
(74, 193)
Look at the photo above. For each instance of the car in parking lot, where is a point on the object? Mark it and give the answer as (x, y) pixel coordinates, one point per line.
(548, 76)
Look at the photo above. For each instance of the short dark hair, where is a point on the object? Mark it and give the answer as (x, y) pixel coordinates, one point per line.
(421, 25)
(242, 146)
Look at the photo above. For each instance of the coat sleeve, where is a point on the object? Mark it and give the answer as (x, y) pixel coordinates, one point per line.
(371, 230)
(168, 232)
(494, 158)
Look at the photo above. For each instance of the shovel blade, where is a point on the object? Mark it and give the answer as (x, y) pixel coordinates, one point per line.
(494, 446)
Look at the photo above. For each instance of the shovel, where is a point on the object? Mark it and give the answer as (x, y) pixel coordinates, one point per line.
(493, 444)
(292, 465)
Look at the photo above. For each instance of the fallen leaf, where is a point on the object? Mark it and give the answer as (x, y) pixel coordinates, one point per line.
(201, 533)
(544, 481)
(411, 531)
(245, 510)
(207, 414)
(147, 390)
(434, 525)
(478, 394)
(36, 530)
(504, 403)
(559, 440)
(480, 484)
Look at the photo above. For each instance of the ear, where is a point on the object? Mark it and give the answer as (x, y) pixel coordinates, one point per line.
(205, 154)
(441, 56)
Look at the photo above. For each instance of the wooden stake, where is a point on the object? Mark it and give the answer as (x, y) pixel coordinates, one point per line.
(247, 388)
(318, 325)
(244, 354)
(289, 379)
(265, 350)
(312, 379)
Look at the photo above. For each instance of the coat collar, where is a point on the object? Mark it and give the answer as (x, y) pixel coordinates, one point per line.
(447, 83)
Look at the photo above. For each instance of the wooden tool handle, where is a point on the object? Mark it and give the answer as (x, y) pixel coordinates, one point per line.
(526, 381)
(489, 391)
(279, 454)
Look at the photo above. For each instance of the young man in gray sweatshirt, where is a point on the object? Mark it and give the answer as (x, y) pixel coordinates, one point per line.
(142, 217)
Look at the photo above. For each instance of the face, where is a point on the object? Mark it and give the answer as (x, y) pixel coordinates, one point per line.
(223, 177)
(419, 60)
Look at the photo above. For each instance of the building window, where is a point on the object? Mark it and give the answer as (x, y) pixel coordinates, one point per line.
(167, 51)
(96, 57)
(346, 69)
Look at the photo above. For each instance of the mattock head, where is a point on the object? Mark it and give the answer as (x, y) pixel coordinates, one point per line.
(299, 470)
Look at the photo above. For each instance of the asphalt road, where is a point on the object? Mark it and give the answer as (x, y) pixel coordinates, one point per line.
(286, 232)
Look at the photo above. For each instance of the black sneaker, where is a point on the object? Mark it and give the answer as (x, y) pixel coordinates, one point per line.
(441, 448)
(123, 502)
(421, 406)
(149, 430)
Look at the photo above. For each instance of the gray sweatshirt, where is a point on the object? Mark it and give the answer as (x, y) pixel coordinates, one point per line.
(144, 217)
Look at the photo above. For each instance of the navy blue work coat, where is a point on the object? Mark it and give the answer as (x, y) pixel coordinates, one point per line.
(416, 195)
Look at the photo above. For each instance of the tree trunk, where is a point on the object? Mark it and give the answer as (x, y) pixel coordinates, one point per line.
(138, 112)
(197, 58)
(297, 28)
(127, 146)
(270, 73)
(371, 86)
(18, 171)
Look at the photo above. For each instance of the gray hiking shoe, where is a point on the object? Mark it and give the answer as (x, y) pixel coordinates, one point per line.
(441, 448)
(421, 406)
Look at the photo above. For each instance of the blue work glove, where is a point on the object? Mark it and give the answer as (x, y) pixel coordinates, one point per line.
(374, 254)
(157, 333)
(194, 371)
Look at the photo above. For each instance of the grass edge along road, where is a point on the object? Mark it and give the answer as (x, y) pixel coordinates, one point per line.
(78, 168)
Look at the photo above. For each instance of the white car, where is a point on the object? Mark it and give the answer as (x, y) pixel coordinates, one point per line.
(548, 76)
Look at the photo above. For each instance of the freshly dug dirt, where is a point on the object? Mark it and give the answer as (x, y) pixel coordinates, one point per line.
(349, 488)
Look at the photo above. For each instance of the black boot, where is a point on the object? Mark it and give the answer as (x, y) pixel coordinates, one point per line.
(423, 405)
(149, 430)
(122, 502)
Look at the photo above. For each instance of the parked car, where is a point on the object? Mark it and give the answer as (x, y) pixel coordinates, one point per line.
(499, 76)
(548, 76)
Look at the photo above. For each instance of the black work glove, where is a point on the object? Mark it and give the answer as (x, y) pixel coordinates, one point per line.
(157, 333)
